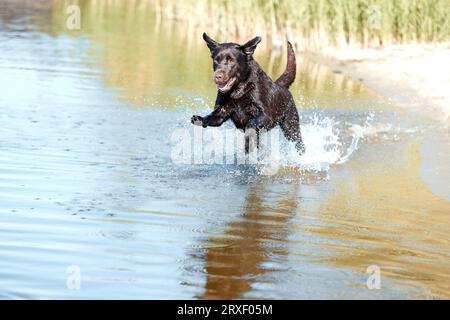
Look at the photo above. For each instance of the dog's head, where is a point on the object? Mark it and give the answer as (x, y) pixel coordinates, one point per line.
(230, 61)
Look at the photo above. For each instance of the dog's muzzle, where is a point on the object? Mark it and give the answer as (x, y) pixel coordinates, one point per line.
(226, 86)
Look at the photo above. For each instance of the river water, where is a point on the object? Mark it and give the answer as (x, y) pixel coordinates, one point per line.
(93, 204)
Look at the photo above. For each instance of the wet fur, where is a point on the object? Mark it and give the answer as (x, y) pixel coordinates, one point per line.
(255, 101)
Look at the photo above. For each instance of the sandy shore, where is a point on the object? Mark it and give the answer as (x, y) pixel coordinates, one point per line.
(414, 76)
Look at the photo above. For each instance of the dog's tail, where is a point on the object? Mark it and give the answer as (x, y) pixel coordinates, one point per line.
(288, 76)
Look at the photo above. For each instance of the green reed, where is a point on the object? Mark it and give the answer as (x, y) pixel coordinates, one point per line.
(315, 24)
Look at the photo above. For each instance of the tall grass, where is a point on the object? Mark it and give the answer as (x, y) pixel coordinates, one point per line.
(315, 24)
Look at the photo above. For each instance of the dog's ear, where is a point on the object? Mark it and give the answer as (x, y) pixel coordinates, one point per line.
(250, 46)
(210, 42)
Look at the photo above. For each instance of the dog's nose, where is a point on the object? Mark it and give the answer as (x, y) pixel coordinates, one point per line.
(218, 77)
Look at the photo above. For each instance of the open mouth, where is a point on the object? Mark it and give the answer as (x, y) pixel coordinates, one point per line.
(225, 87)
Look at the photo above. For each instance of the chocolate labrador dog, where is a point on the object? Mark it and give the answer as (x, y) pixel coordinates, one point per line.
(247, 96)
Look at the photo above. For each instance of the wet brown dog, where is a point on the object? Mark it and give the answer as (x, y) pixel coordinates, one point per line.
(247, 96)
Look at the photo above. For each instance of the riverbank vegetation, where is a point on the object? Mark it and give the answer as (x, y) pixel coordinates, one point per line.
(315, 24)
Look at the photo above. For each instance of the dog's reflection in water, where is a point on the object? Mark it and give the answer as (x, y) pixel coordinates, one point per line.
(236, 259)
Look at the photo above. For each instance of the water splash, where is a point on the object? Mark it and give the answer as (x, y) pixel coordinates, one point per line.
(328, 142)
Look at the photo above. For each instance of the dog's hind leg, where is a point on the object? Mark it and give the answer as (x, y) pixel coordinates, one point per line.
(291, 129)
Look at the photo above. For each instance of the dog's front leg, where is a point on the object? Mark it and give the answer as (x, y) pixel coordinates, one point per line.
(252, 130)
(259, 121)
(214, 119)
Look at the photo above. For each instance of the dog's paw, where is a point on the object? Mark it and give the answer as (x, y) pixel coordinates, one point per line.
(197, 120)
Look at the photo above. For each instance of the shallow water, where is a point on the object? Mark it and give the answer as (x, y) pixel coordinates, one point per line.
(88, 181)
